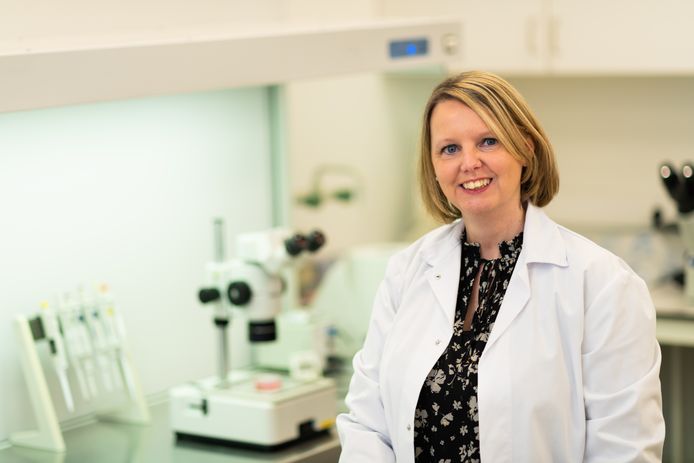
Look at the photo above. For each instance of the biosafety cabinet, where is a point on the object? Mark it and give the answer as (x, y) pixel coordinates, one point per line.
(50, 81)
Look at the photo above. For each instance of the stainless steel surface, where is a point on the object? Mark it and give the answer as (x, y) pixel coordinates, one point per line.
(106, 442)
(223, 354)
(223, 357)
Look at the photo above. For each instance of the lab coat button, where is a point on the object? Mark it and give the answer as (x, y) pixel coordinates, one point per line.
(409, 427)
(437, 276)
(437, 342)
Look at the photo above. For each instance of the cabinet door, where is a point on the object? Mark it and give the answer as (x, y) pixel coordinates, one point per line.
(506, 36)
(622, 36)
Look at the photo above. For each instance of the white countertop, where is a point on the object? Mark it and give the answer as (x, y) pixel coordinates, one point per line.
(675, 324)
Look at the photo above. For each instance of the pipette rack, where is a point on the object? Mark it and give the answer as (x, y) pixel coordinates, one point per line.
(48, 436)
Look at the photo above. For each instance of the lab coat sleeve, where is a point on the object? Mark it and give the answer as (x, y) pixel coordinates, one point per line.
(364, 430)
(621, 363)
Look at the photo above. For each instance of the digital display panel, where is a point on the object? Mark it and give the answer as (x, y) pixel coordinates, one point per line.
(407, 48)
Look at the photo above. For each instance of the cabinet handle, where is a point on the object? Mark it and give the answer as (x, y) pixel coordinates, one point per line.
(531, 35)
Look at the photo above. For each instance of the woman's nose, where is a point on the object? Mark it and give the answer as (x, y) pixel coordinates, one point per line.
(470, 160)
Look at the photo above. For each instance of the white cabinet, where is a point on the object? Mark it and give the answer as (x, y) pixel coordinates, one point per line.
(504, 36)
(622, 36)
(568, 36)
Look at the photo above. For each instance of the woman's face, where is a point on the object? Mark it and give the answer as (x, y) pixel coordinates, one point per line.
(474, 171)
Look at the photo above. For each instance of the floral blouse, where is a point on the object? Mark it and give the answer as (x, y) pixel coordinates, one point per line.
(446, 421)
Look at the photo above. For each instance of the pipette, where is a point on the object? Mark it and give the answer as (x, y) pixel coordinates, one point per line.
(98, 338)
(78, 345)
(51, 328)
(114, 329)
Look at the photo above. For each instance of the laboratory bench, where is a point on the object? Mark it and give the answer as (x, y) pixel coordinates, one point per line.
(675, 332)
(109, 442)
(675, 324)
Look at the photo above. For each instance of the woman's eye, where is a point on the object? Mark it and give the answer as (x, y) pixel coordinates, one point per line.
(449, 149)
(489, 141)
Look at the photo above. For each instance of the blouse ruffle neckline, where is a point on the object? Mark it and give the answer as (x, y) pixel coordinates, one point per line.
(509, 249)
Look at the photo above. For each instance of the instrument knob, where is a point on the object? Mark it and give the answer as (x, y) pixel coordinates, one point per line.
(209, 295)
(239, 293)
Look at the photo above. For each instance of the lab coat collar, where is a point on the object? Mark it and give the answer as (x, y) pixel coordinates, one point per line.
(542, 244)
(542, 241)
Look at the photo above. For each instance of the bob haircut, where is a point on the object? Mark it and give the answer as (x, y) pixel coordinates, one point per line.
(509, 117)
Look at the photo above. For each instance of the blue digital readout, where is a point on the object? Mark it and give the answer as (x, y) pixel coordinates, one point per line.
(407, 48)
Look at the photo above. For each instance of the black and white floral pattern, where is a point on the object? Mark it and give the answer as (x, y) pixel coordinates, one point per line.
(446, 418)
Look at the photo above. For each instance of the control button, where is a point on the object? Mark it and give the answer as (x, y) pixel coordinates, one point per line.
(450, 43)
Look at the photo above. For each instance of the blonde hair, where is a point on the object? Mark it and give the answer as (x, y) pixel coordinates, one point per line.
(509, 117)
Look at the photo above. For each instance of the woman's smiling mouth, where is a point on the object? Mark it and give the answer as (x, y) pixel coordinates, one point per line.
(476, 184)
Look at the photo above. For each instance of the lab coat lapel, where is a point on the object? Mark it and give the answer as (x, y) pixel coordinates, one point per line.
(542, 244)
(444, 272)
(515, 300)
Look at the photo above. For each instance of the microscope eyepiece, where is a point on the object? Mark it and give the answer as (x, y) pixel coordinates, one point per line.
(316, 240)
(295, 245)
(679, 185)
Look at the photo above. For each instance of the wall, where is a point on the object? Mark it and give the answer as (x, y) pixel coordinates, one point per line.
(609, 134)
(345, 122)
(125, 193)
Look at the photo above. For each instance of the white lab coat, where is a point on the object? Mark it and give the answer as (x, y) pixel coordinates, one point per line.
(569, 373)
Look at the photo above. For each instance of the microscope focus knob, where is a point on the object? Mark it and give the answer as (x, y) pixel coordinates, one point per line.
(316, 240)
(209, 295)
(239, 293)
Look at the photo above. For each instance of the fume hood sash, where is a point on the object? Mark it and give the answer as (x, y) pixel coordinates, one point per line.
(55, 74)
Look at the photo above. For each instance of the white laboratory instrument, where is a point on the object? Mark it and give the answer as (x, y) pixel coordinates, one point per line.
(252, 407)
(680, 186)
(686, 226)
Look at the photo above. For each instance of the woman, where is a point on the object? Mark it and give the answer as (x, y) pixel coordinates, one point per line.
(502, 336)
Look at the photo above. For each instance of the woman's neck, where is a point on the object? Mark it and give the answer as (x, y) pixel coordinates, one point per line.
(490, 231)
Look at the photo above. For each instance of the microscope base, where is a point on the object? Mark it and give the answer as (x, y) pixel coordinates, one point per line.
(242, 416)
